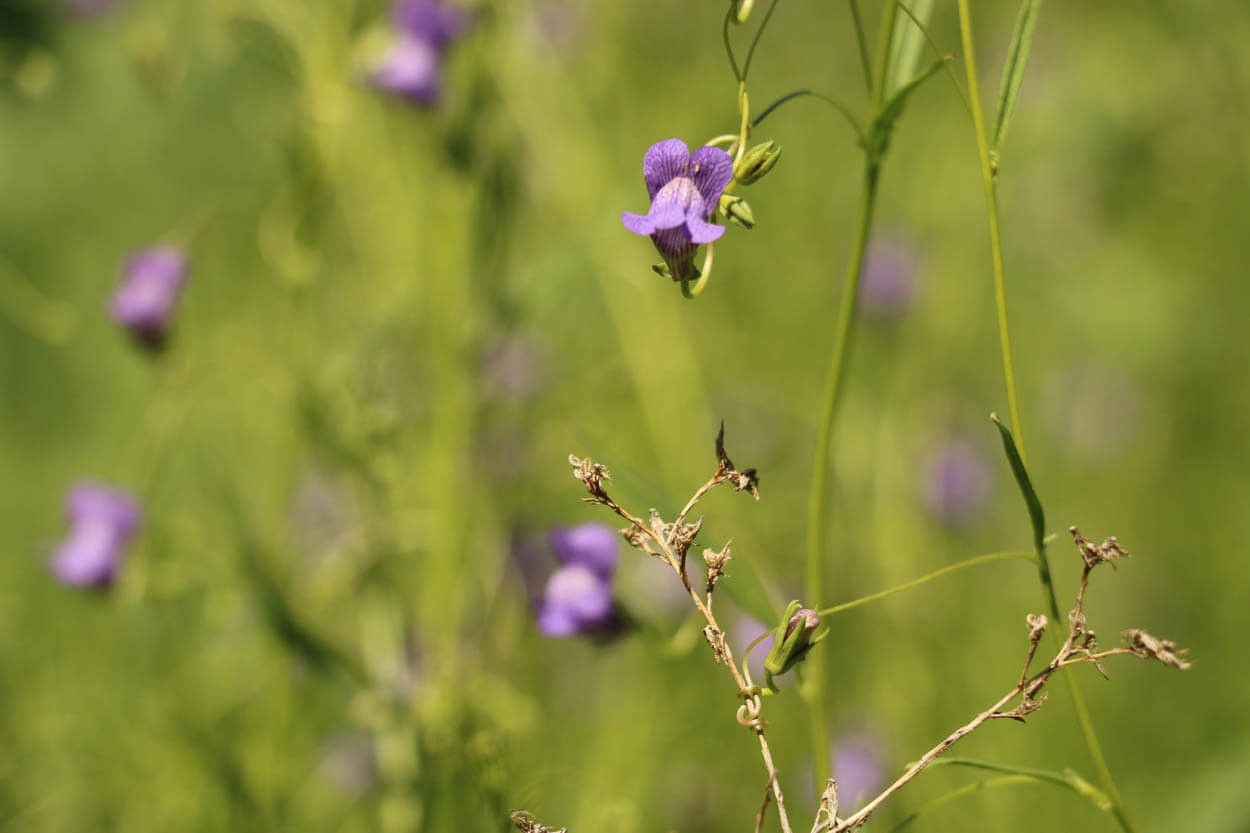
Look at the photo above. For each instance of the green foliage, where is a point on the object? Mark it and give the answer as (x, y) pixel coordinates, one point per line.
(400, 322)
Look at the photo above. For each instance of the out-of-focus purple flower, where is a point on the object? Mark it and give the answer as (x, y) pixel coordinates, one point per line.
(887, 282)
(578, 596)
(102, 522)
(557, 23)
(88, 8)
(743, 632)
(412, 67)
(349, 762)
(511, 368)
(1093, 410)
(685, 190)
(956, 482)
(432, 21)
(152, 281)
(857, 766)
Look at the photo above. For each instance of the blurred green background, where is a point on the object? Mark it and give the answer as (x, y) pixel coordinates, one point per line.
(400, 322)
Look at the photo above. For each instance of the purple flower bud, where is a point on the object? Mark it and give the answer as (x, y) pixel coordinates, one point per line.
(578, 596)
(412, 68)
(102, 521)
(144, 304)
(887, 283)
(685, 189)
(956, 483)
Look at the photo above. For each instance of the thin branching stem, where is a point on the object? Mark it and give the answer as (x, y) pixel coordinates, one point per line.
(817, 516)
(1072, 651)
(917, 582)
(996, 247)
(755, 41)
(817, 519)
(988, 181)
(729, 49)
(749, 712)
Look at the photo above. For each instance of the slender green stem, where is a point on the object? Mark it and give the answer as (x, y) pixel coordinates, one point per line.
(833, 102)
(996, 247)
(987, 176)
(729, 49)
(817, 518)
(916, 582)
(862, 42)
(755, 41)
(844, 328)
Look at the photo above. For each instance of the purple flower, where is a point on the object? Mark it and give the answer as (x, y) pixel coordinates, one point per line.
(578, 595)
(88, 8)
(102, 521)
(857, 766)
(745, 631)
(144, 304)
(956, 483)
(888, 280)
(685, 190)
(412, 68)
(432, 21)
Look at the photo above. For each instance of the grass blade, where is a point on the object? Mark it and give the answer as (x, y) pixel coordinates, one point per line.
(1036, 516)
(1013, 70)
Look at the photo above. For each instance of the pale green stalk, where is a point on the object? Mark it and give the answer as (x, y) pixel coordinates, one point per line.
(817, 496)
(925, 579)
(987, 176)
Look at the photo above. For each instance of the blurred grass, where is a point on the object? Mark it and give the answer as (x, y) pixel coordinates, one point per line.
(355, 262)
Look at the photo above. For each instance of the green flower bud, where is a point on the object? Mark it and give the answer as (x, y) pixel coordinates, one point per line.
(742, 10)
(797, 632)
(737, 210)
(756, 162)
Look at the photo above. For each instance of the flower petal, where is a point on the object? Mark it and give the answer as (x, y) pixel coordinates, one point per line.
(701, 231)
(638, 223)
(591, 545)
(664, 161)
(711, 169)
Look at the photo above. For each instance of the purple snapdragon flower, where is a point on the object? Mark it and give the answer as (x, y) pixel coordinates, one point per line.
(578, 596)
(144, 304)
(956, 483)
(102, 521)
(685, 190)
(412, 68)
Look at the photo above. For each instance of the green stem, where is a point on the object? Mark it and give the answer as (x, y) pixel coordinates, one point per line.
(817, 518)
(916, 582)
(755, 41)
(996, 247)
(987, 176)
(816, 497)
(862, 42)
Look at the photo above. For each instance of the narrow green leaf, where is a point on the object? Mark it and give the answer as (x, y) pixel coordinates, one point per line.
(743, 586)
(1036, 516)
(1013, 70)
(884, 124)
(906, 45)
